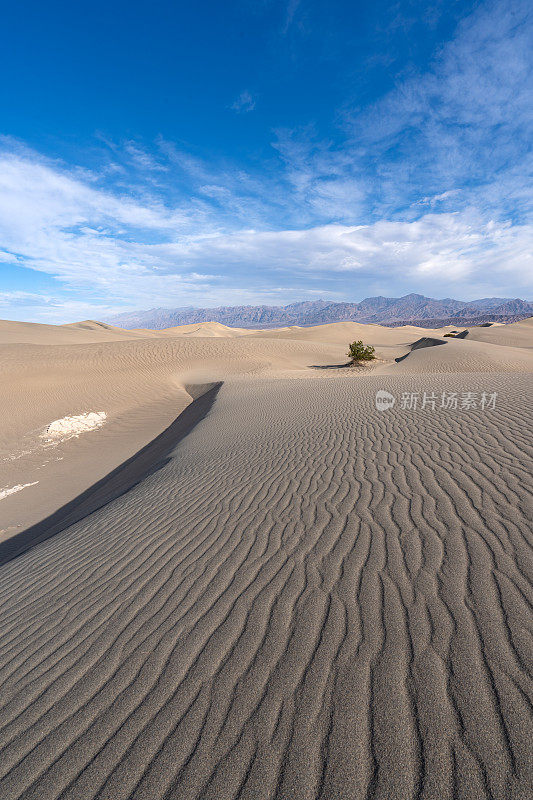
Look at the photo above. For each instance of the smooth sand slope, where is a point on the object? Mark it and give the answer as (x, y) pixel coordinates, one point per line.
(304, 598)
(76, 333)
(519, 334)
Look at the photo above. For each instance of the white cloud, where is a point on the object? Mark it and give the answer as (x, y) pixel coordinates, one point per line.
(457, 133)
(116, 251)
(55, 222)
(462, 125)
(142, 159)
(17, 297)
(447, 248)
(244, 102)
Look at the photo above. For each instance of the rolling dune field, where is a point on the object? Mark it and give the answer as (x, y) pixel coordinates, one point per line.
(291, 595)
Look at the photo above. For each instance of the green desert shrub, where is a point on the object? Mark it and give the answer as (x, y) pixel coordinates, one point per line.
(360, 352)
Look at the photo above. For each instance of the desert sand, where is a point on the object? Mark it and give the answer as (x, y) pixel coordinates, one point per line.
(224, 573)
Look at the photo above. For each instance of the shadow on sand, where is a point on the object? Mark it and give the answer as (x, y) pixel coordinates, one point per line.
(116, 483)
(425, 341)
(330, 366)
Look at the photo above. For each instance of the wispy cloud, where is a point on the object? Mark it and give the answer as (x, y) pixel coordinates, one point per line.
(468, 117)
(244, 102)
(435, 250)
(112, 245)
(460, 132)
(20, 298)
(121, 252)
(291, 10)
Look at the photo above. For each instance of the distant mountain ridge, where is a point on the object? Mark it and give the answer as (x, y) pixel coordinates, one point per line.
(412, 309)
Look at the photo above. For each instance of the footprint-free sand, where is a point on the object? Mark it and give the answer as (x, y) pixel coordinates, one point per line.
(282, 593)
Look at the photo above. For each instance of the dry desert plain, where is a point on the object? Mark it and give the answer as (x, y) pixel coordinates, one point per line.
(224, 573)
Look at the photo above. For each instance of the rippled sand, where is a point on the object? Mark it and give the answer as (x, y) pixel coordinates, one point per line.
(293, 595)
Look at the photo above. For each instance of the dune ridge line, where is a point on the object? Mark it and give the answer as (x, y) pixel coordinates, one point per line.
(118, 482)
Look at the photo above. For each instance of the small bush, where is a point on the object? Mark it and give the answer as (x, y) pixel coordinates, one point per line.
(360, 352)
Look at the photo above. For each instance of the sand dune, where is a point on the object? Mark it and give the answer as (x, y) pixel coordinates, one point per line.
(342, 332)
(517, 334)
(204, 329)
(304, 597)
(465, 355)
(77, 333)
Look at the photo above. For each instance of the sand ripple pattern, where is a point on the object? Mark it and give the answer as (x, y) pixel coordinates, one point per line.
(312, 599)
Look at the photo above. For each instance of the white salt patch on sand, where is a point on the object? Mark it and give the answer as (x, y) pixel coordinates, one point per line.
(58, 431)
(67, 427)
(15, 456)
(18, 488)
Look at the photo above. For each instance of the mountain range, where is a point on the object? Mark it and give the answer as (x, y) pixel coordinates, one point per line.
(414, 309)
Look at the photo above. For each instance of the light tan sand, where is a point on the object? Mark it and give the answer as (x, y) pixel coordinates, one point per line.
(141, 385)
(309, 598)
(518, 334)
(202, 329)
(79, 332)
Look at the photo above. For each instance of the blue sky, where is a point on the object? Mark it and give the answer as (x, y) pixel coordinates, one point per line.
(177, 154)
